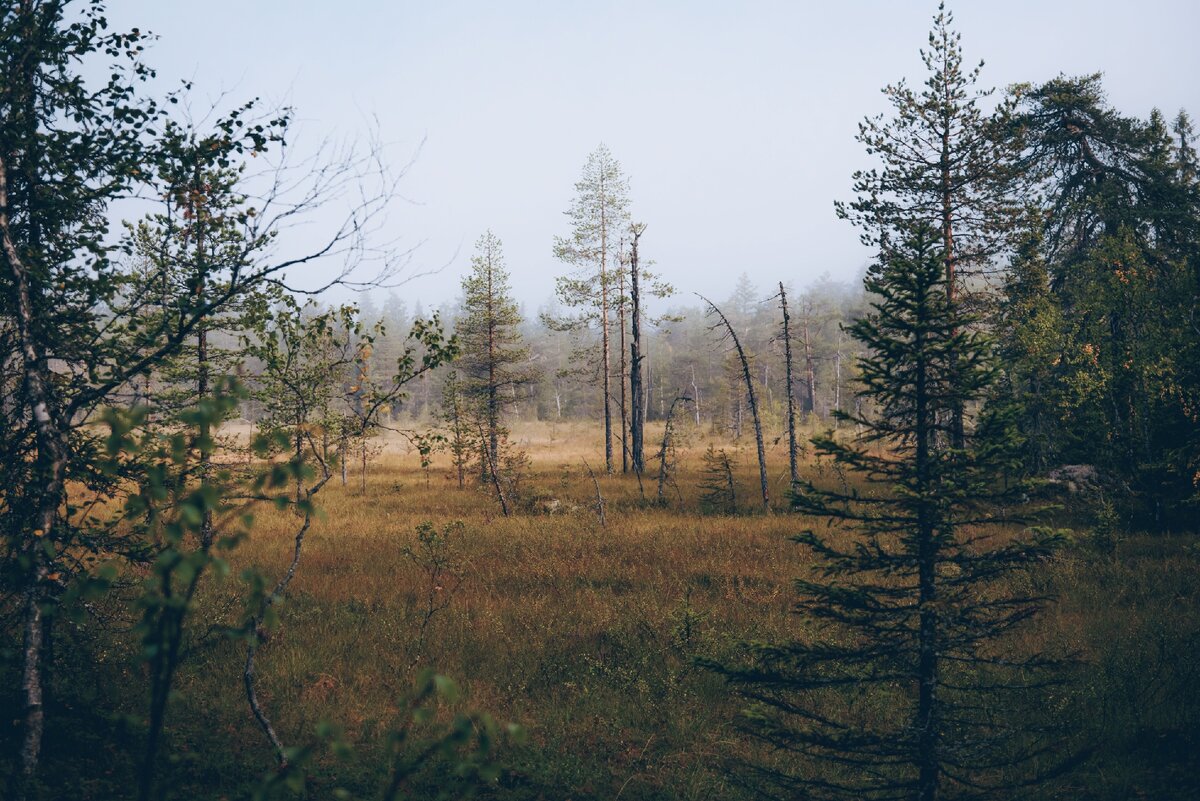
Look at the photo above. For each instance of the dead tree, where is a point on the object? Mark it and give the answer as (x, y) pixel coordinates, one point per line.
(600, 502)
(626, 425)
(793, 469)
(695, 396)
(758, 435)
(255, 626)
(810, 375)
(637, 423)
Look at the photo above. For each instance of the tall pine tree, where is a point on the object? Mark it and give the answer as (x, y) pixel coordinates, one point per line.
(599, 217)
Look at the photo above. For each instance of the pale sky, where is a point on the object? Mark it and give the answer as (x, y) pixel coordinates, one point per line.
(734, 121)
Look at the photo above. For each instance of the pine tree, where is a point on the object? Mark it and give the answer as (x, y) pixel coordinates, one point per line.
(599, 215)
(944, 164)
(493, 358)
(891, 691)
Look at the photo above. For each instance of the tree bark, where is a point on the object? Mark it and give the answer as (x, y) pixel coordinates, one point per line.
(663, 459)
(957, 424)
(494, 471)
(493, 402)
(622, 366)
(606, 356)
(51, 457)
(638, 421)
(202, 365)
(256, 631)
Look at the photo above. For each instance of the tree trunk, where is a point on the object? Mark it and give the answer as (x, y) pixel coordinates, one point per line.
(51, 457)
(255, 634)
(810, 373)
(494, 470)
(344, 456)
(206, 523)
(793, 467)
(493, 401)
(606, 355)
(927, 529)
(957, 425)
(695, 396)
(623, 369)
(837, 380)
(664, 467)
(606, 364)
(638, 421)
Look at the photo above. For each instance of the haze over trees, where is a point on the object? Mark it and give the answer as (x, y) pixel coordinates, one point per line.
(968, 567)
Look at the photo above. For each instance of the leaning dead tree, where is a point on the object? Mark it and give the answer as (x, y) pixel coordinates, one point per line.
(794, 472)
(758, 435)
(600, 502)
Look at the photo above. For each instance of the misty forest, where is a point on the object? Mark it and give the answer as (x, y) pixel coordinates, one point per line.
(272, 526)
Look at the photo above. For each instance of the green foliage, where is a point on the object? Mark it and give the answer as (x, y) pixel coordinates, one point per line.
(941, 163)
(881, 694)
(436, 556)
(462, 752)
(492, 356)
(1099, 340)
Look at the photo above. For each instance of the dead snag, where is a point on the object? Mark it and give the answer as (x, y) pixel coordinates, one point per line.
(786, 333)
(758, 436)
(637, 422)
(600, 502)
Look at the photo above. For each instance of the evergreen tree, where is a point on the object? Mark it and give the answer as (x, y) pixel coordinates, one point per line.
(1117, 237)
(944, 164)
(718, 488)
(891, 691)
(599, 216)
(493, 358)
(458, 421)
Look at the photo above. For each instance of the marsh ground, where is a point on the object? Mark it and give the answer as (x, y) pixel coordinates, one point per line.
(586, 635)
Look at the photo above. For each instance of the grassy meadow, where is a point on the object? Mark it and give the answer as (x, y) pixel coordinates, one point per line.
(586, 635)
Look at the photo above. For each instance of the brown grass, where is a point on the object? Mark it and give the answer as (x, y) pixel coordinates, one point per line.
(586, 635)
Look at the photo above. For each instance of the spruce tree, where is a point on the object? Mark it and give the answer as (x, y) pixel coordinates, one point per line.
(718, 488)
(895, 688)
(493, 358)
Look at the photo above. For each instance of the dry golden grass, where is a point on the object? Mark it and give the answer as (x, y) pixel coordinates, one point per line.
(587, 635)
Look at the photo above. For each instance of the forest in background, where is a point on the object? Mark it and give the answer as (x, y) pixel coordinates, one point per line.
(1003, 412)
